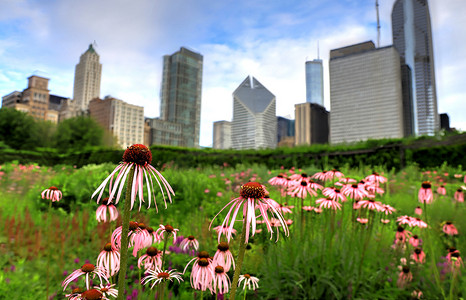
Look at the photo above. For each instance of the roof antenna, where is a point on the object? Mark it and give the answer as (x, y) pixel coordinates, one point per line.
(318, 57)
(378, 22)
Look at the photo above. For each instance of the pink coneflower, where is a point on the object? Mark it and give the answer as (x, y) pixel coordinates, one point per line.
(354, 191)
(101, 212)
(52, 193)
(284, 209)
(248, 281)
(159, 276)
(373, 188)
(371, 205)
(404, 278)
(252, 196)
(385, 221)
(387, 209)
(188, 243)
(404, 220)
(223, 257)
(87, 270)
(449, 228)
(362, 220)
(221, 284)
(454, 259)
(151, 260)
(167, 229)
(334, 194)
(376, 178)
(152, 234)
(441, 190)
(139, 157)
(425, 193)
(418, 256)
(347, 180)
(116, 235)
(402, 234)
(418, 211)
(328, 203)
(109, 260)
(279, 180)
(301, 190)
(334, 174)
(322, 176)
(417, 294)
(415, 241)
(459, 195)
(107, 290)
(202, 273)
(75, 294)
(297, 178)
(223, 229)
(92, 294)
(418, 222)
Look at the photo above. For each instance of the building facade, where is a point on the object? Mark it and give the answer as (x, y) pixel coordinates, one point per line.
(412, 37)
(254, 124)
(315, 82)
(181, 96)
(365, 93)
(311, 124)
(222, 135)
(87, 78)
(285, 132)
(125, 121)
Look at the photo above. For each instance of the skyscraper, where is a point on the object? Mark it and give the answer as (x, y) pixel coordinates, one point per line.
(254, 123)
(315, 82)
(87, 77)
(222, 135)
(365, 93)
(311, 124)
(181, 94)
(412, 37)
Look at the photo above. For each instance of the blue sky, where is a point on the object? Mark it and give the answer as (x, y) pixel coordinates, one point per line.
(270, 40)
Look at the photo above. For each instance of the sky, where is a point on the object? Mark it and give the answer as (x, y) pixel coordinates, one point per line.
(270, 40)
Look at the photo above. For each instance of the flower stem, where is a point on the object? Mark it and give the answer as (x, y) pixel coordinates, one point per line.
(164, 248)
(49, 250)
(124, 237)
(239, 261)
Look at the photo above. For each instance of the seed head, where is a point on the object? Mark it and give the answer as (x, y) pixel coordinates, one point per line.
(191, 238)
(163, 275)
(92, 294)
(88, 268)
(223, 246)
(138, 154)
(108, 247)
(426, 185)
(203, 262)
(203, 254)
(253, 190)
(133, 225)
(152, 251)
(405, 269)
(219, 269)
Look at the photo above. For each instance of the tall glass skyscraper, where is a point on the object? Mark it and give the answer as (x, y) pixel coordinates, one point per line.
(315, 82)
(181, 95)
(412, 37)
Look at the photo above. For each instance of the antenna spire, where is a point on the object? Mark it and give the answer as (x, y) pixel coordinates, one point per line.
(378, 22)
(318, 57)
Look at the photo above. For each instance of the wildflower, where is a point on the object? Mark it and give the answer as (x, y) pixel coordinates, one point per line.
(223, 229)
(52, 193)
(418, 222)
(418, 210)
(415, 241)
(449, 228)
(298, 178)
(301, 190)
(140, 239)
(425, 193)
(159, 276)
(75, 294)
(362, 220)
(387, 209)
(322, 176)
(109, 260)
(418, 256)
(347, 180)
(376, 178)
(354, 191)
(116, 235)
(371, 205)
(87, 270)
(404, 220)
(101, 212)
(405, 277)
(152, 233)
(459, 196)
(107, 290)
(223, 257)
(334, 193)
(385, 221)
(139, 157)
(168, 229)
(279, 180)
(250, 281)
(334, 173)
(454, 259)
(373, 188)
(328, 203)
(152, 260)
(416, 294)
(202, 273)
(221, 281)
(189, 242)
(252, 195)
(402, 234)
(92, 294)
(441, 190)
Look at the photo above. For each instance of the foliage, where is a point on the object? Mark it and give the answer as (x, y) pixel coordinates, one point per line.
(17, 129)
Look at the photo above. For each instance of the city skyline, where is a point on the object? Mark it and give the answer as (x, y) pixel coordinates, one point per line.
(270, 41)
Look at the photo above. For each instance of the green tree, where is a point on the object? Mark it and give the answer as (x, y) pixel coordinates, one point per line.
(78, 133)
(18, 130)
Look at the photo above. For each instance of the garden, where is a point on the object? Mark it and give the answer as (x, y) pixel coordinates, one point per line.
(245, 231)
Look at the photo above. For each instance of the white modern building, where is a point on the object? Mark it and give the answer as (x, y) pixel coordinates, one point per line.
(365, 93)
(222, 135)
(254, 124)
(87, 78)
